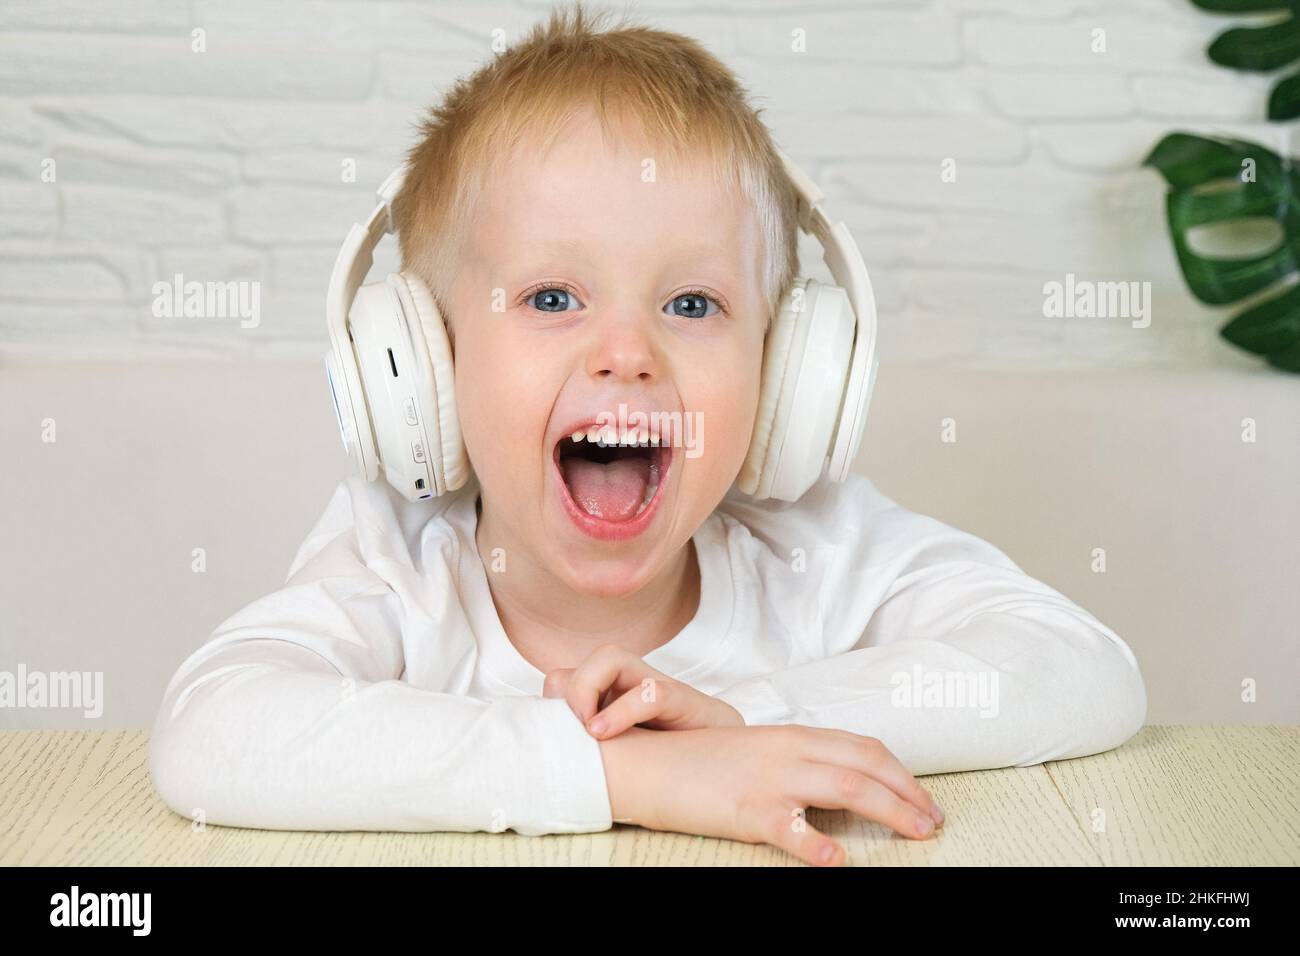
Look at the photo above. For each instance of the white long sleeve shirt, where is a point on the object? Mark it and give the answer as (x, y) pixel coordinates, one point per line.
(377, 690)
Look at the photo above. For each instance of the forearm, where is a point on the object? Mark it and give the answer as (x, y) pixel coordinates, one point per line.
(292, 744)
(1002, 690)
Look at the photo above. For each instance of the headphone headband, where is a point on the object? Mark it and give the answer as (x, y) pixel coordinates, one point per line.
(842, 258)
(357, 256)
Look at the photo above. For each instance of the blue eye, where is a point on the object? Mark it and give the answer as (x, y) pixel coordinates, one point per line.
(693, 305)
(553, 299)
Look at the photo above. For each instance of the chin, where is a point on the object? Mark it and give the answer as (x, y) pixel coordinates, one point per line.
(608, 575)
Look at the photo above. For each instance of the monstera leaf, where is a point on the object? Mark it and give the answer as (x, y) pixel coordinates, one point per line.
(1262, 49)
(1219, 181)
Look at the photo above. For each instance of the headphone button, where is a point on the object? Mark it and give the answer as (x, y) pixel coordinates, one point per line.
(410, 412)
(417, 451)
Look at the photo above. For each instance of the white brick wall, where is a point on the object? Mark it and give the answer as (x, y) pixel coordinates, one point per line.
(225, 165)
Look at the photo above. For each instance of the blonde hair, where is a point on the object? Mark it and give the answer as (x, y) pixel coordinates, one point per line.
(679, 93)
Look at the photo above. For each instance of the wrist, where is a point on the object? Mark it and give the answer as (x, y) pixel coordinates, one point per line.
(624, 756)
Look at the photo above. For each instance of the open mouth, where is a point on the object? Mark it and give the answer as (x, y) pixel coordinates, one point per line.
(611, 488)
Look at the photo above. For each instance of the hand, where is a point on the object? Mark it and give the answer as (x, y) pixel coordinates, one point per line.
(753, 784)
(615, 688)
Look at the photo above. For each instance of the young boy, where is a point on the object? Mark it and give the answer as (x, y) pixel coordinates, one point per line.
(438, 665)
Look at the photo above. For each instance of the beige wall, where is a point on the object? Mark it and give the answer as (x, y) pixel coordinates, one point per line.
(153, 460)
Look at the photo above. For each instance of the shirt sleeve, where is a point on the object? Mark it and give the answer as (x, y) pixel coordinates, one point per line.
(294, 715)
(961, 660)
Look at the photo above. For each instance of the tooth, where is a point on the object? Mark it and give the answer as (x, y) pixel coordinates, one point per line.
(579, 436)
(593, 431)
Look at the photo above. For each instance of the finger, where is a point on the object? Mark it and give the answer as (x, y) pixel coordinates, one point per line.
(843, 788)
(638, 705)
(793, 833)
(607, 667)
(556, 682)
(869, 756)
(611, 694)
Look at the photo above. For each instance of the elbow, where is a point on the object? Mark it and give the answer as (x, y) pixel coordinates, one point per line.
(181, 768)
(1091, 698)
(1104, 716)
(1120, 686)
(168, 770)
(1131, 704)
(1114, 701)
(198, 726)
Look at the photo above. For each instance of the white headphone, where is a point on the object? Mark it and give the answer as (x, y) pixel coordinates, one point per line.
(390, 367)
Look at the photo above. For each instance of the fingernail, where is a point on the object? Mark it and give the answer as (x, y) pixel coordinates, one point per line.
(936, 813)
(828, 853)
(598, 726)
(924, 824)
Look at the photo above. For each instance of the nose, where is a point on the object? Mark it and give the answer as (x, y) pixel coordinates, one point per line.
(623, 348)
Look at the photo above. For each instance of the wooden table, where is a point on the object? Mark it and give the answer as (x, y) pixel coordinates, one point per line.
(1173, 795)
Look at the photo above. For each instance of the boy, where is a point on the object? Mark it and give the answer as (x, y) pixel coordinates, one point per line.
(440, 665)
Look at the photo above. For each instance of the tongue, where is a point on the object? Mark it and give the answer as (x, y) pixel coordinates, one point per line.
(612, 491)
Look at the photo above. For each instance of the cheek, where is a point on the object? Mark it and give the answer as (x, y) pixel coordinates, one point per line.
(727, 398)
(502, 403)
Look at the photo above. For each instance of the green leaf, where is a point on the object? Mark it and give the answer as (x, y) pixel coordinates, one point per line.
(1224, 281)
(1189, 209)
(1284, 100)
(1206, 189)
(1288, 359)
(1260, 49)
(1187, 160)
(1245, 6)
(1269, 327)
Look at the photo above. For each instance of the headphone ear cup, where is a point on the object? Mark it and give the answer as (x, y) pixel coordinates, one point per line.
(344, 378)
(776, 352)
(805, 371)
(450, 461)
